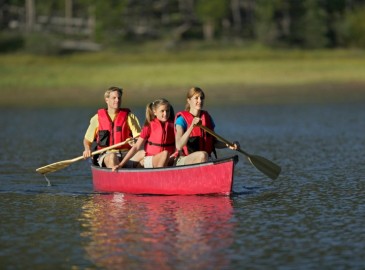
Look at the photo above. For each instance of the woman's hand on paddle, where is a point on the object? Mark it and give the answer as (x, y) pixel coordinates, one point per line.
(196, 121)
(235, 146)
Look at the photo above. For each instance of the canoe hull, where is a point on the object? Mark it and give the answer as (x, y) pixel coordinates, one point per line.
(214, 177)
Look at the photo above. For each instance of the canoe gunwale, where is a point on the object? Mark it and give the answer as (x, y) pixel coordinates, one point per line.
(182, 167)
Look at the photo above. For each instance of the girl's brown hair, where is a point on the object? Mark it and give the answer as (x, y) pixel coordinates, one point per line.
(153, 106)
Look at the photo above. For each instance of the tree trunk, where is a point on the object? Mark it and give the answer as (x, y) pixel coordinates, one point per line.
(236, 15)
(208, 30)
(29, 15)
(68, 16)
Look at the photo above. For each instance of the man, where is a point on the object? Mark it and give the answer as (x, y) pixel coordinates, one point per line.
(111, 126)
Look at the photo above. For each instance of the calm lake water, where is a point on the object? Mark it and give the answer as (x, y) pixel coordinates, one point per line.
(311, 217)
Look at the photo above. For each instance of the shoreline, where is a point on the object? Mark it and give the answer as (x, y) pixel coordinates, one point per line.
(216, 96)
(229, 77)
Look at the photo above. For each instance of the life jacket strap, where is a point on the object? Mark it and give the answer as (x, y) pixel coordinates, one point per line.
(161, 145)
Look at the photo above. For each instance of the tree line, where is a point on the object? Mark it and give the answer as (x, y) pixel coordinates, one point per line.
(305, 24)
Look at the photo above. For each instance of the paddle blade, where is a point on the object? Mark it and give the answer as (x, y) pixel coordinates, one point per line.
(54, 166)
(266, 166)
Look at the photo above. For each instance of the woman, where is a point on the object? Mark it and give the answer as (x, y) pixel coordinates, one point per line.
(192, 142)
(157, 136)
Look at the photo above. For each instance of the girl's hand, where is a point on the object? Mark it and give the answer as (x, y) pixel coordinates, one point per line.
(132, 142)
(115, 168)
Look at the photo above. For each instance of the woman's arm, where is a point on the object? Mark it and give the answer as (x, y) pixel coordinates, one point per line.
(181, 138)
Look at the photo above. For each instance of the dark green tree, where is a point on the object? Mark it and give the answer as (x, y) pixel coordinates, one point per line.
(211, 13)
(352, 28)
(314, 27)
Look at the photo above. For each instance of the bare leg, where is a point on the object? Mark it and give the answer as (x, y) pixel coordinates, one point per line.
(196, 157)
(111, 160)
(138, 158)
(161, 159)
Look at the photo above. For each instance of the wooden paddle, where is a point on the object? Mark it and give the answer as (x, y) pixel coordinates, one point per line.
(63, 164)
(262, 164)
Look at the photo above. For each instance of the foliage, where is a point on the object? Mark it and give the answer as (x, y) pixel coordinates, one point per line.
(314, 25)
(109, 17)
(277, 23)
(10, 42)
(353, 28)
(211, 9)
(266, 29)
(43, 44)
(211, 12)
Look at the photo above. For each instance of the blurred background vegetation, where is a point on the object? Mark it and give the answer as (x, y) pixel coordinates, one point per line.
(253, 49)
(91, 24)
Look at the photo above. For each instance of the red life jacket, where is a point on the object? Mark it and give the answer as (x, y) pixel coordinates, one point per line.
(162, 137)
(199, 140)
(113, 132)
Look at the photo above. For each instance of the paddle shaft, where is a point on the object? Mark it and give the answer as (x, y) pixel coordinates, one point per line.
(264, 165)
(103, 150)
(211, 132)
(109, 148)
(62, 164)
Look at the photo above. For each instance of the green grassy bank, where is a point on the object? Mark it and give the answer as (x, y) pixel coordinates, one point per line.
(228, 76)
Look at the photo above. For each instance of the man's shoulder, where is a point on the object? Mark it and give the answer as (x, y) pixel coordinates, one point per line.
(131, 114)
(94, 117)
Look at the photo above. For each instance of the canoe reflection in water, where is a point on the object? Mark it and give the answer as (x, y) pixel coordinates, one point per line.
(168, 232)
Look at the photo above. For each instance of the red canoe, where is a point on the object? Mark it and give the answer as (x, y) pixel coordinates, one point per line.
(213, 177)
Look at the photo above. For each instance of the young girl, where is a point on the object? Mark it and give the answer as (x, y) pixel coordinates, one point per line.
(157, 136)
